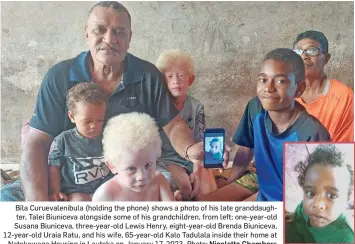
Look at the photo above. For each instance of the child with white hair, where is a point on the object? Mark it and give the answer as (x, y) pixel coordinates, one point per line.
(132, 145)
(179, 73)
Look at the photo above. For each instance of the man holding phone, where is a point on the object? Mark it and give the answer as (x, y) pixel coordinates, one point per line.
(133, 85)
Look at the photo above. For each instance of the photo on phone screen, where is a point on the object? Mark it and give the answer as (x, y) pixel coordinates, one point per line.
(213, 148)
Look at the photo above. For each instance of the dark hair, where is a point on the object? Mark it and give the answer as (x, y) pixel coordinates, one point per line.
(326, 155)
(85, 92)
(215, 139)
(316, 36)
(111, 4)
(290, 57)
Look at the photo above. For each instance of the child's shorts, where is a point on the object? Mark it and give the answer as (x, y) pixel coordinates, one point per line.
(173, 183)
(163, 169)
(179, 161)
(249, 180)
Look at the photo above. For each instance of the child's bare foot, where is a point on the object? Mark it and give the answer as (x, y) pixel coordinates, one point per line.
(220, 180)
(58, 197)
(79, 197)
(178, 195)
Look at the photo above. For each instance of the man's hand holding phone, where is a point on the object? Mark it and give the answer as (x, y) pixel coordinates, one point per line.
(196, 154)
(214, 148)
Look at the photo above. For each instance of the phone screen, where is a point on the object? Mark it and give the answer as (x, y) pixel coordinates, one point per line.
(213, 148)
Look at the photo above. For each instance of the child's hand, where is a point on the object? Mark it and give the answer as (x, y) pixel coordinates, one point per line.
(195, 182)
(58, 197)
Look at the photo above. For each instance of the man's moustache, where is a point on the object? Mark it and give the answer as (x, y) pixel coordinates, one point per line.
(107, 47)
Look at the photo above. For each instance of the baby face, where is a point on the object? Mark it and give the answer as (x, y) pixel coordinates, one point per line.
(89, 118)
(137, 170)
(215, 147)
(325, 194)
(177, 79)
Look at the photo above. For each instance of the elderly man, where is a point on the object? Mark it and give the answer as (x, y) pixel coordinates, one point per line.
(133, 85)
(327, 99)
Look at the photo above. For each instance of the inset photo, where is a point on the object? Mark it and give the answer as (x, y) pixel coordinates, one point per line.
(318, 191)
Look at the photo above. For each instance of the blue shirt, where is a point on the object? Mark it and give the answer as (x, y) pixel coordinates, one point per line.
(255, 131)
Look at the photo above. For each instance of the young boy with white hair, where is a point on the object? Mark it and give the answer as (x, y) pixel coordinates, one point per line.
(179, 73)
(132, 145)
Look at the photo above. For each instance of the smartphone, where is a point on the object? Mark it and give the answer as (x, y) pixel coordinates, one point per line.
(213, 145)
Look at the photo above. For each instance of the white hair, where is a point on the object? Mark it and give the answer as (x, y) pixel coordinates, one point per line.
(130, 132)
(174, 56)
